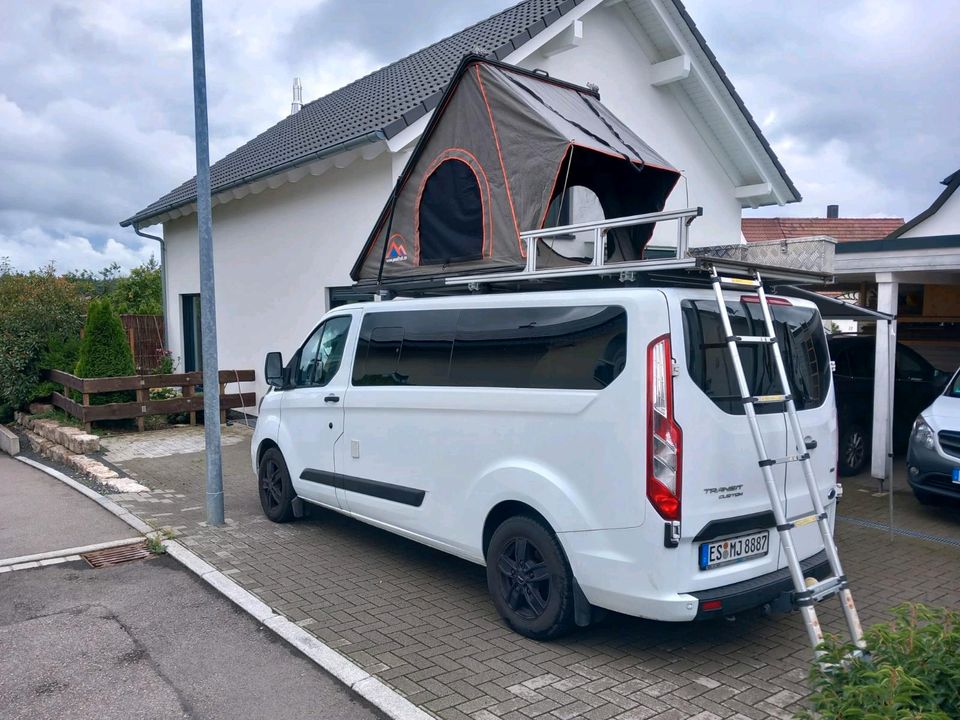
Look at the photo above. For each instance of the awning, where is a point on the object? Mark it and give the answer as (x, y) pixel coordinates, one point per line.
(832, 308)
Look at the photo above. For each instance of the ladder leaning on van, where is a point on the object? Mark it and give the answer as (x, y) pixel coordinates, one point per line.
(808, 591)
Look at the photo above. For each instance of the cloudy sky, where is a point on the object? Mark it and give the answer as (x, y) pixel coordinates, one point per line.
(859, 99)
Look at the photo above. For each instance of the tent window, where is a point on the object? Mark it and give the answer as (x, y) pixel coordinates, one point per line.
(451, 215)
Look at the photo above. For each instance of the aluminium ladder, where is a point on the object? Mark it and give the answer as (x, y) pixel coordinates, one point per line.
(807, 591)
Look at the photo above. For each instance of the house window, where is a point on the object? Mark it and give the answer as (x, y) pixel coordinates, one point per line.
(450, 215)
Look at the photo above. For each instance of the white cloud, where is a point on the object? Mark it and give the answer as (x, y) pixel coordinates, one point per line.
(33, 248)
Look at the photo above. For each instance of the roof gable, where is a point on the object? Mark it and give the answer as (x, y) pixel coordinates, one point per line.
(952, 182)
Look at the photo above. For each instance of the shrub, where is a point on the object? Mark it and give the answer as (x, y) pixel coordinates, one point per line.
(140, 292)
(104, 351)
(912, 671)
(40, 320)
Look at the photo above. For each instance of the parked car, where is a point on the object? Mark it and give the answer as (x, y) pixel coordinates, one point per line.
(584, 445)
(916, 384)
(933, 459)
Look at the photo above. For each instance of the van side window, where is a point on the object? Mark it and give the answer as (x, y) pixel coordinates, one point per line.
(322, 353)
(560, 348)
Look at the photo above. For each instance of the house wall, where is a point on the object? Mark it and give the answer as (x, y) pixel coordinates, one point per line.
(610, 56)
(946, 221)
(274, 256)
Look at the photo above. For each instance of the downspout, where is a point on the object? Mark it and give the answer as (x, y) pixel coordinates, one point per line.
(163, 276)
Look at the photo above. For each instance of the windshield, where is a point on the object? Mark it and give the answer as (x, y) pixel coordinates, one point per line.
(802, 346)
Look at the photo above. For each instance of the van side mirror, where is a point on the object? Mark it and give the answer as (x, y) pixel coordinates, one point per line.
(273, 369)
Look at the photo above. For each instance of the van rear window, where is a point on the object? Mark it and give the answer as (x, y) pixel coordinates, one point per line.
(802, 345)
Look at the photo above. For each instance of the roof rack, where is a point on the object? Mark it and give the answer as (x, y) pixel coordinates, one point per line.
(681, 268)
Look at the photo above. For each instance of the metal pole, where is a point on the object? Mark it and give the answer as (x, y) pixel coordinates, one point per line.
(208, 303)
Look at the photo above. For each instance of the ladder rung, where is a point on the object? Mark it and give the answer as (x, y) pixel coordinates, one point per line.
(783, 460)
(736, 281)
(816, 592)
(766, 399)
(753, 339)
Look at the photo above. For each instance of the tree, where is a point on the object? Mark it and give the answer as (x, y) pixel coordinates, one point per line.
(104, 351)
(140, 292)
(40, 320)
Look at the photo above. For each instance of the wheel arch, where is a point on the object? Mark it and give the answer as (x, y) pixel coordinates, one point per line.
(265, 445)
(503, 511)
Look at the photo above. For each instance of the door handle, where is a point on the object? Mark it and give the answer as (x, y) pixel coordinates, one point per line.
(331, 399)
(809, 442)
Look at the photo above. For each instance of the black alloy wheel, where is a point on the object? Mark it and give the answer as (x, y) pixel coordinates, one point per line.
(529, 578)
(525, 581)
(854, 447)
(276, 491)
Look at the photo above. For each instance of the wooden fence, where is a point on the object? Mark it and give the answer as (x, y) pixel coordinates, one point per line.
(189, 402)
(145, 335)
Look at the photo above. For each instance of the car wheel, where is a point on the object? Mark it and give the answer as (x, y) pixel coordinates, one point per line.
(854, 450)
(529, 578)
(924, 498)
(276, 490)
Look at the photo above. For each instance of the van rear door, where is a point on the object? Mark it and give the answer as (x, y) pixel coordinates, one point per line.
(806, 360)
(723, 486)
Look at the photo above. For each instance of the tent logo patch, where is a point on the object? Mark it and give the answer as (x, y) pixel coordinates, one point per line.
(396, 251)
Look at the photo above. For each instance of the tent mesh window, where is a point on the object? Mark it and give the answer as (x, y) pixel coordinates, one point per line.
(451, 215)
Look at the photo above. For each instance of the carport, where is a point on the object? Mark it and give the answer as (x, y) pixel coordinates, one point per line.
(881, 466)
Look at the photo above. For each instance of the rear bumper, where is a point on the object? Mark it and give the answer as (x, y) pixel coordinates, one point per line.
(773, 589)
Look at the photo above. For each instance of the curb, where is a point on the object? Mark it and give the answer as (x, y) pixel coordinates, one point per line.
(371, 689)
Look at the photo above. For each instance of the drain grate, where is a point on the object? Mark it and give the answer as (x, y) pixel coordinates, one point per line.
(116, 555)
(900, 531)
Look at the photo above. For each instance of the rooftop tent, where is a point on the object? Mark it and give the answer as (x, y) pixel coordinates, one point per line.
(502, 146)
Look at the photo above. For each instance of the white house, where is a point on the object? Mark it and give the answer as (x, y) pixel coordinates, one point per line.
(293, 207)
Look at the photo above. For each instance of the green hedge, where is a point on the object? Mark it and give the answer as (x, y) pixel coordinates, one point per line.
(911, 672)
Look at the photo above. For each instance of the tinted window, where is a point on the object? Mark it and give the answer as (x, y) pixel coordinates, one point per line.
(911, 366)
(802, 345)
(567, 347)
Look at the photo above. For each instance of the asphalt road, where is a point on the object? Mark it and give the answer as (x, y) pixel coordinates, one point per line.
(147, 639)
(40, 514)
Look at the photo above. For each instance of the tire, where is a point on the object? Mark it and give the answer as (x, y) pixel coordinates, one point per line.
(274, 487)
(529, 579)
(854, 451)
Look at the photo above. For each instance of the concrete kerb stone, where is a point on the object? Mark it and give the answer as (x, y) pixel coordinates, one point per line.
(373, 690)
(9, 441)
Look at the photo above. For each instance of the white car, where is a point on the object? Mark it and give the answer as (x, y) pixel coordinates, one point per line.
(588, 446)
(933, 458)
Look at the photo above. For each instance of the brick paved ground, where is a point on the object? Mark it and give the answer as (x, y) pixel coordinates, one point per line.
(421, 620)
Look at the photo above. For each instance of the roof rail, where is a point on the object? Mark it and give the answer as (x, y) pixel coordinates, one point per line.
(682, 267)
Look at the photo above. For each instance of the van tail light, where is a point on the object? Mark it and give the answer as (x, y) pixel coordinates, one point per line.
(664, 439)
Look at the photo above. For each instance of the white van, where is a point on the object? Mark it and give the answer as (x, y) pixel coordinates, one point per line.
(588, 446)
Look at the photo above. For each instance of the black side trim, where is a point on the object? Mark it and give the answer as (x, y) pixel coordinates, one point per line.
(374, 488)
(732, 526)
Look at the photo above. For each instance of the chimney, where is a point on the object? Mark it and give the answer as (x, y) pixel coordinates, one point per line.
(297, 103)
(833, 211)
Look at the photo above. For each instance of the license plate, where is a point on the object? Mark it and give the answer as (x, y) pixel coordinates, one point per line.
(723, 552)
(956, 475)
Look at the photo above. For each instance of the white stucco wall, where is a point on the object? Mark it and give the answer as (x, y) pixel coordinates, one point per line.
(275, 254)
(610, 56)
(946, 221)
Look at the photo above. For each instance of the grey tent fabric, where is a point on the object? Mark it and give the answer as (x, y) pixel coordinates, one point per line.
(502, 145)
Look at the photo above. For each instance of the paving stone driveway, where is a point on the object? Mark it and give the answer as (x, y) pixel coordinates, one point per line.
(421, 621)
